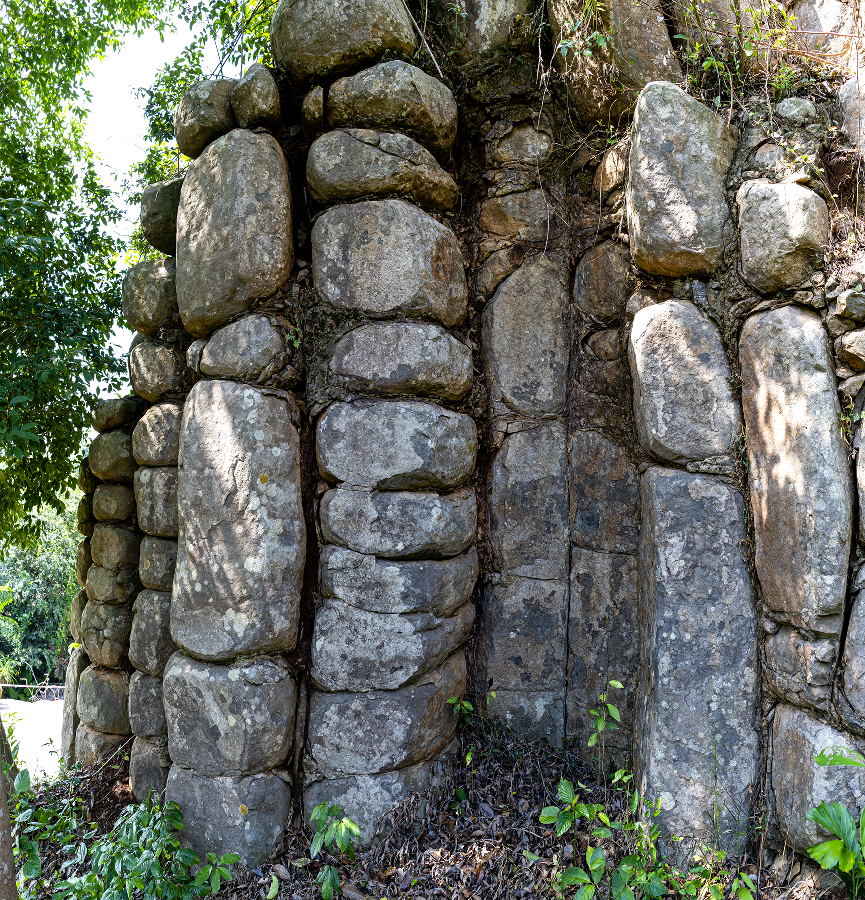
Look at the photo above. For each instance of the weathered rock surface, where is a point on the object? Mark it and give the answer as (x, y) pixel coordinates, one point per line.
(115, 548)
(149, 295)
(106, 586)
(603, 645)
(851, 95)
(229, 720)
(367, 798)
(403, 357)
(146, 711)
(783, 231)
(156, 500)
(396, 445)
(244, 815)
(528, 310)
(396, 96)
(155, 370)
(314, 41)
(399, 524)
(850, 350)
(243, 349)
(113, 502)
(540, 714)
(255, 98)
(677, 211)
(523, 216)
(603, 86)
(473, 27)
(83, 562)
(156, 563)
(87, 481)
(111, 456)
(523, 146)
(156, 439)
(112, 413)
(238, 189)
(103, 699)
(312, 113)
(523, 648)
(799, 784)
(84, 515)
(105, 631)
(159, 204)
(150, 643)
(147, 771)
(529, 504)
(204, 114)
(601, 283)
(388, 258)
(799, 670)
(242, 537)
(604, 495)
(79, 601)
(439, 587)
(853, 669)
(92, 745)
(800, 486)
(695, 736)
(356, 163)
(683, 400)
(376, 731)
(356, 650)
(78, 662)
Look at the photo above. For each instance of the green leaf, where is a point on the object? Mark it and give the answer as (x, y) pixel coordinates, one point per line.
(614, 712)
(549, 815)
(619, 888)
(22, 782)
(274, 887)
(531, 857)
(839, 756)
(316, 845)
(585, 893)
(573, 876)
(836, 819)
(564, 820)
(615, 684)
(566, 791)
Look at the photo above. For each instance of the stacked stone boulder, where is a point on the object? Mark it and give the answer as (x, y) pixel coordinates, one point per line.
(96, 719)
(397, 515)
(232, 454)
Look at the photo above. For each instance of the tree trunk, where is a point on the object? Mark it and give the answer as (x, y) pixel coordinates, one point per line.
(8, 891)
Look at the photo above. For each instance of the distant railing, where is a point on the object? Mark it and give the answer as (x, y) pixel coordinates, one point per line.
(40, 691)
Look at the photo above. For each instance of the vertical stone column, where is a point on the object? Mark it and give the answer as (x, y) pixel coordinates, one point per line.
(107, 566)
(696, 741)
(229, 694)
(398, 564)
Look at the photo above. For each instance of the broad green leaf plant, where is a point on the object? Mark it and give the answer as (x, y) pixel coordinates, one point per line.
(331, 828)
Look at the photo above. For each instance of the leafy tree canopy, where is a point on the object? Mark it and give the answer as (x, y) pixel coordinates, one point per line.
(59, 290)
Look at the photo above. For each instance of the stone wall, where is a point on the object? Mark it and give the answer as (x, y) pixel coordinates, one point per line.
(441, 395)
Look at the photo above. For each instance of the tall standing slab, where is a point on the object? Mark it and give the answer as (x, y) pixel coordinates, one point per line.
(696, 743)
(800, 485)
(234, 230)
(242, 537)
(677, 211)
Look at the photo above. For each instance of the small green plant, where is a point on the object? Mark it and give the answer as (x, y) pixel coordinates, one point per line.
(462, 708)
(340, 831)
(845, 853)
(565, 818)
(142, 853)
(600, 715)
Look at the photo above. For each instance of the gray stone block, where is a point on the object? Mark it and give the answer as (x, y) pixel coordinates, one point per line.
(155, 370)
(238, 187)
(390, 586)
(146, 711)
(529, 504)
(110, 414)
(354, 164)
(105, 632)
(696, 741)
(156, 438)
(683, 398)
(92, 746)
(799, 670)
(677, 209)
(376, 731)
(396, 96)
(529, 309)
(159, 204)
(396, 445)
(156, 500)
(115, 548)
(357, 650)
(400, 524)
(243, 349)
(149, 295)
(103, 698)
(105, 586)
(800, 483)
(403, 358)
(150, 643)
(255, 98)
(245, 815)
(540, 714)
(241, 552)
(203, 114)
(83, 562)
(388, 258)
(147, 772)
(229, 720)
(79, 601)
(156, 563)
(853, 668)
(78, 662)
(111, 457)
(601, 283)
(113, 502)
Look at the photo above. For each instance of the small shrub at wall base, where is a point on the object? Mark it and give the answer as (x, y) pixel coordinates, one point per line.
(339, 832)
